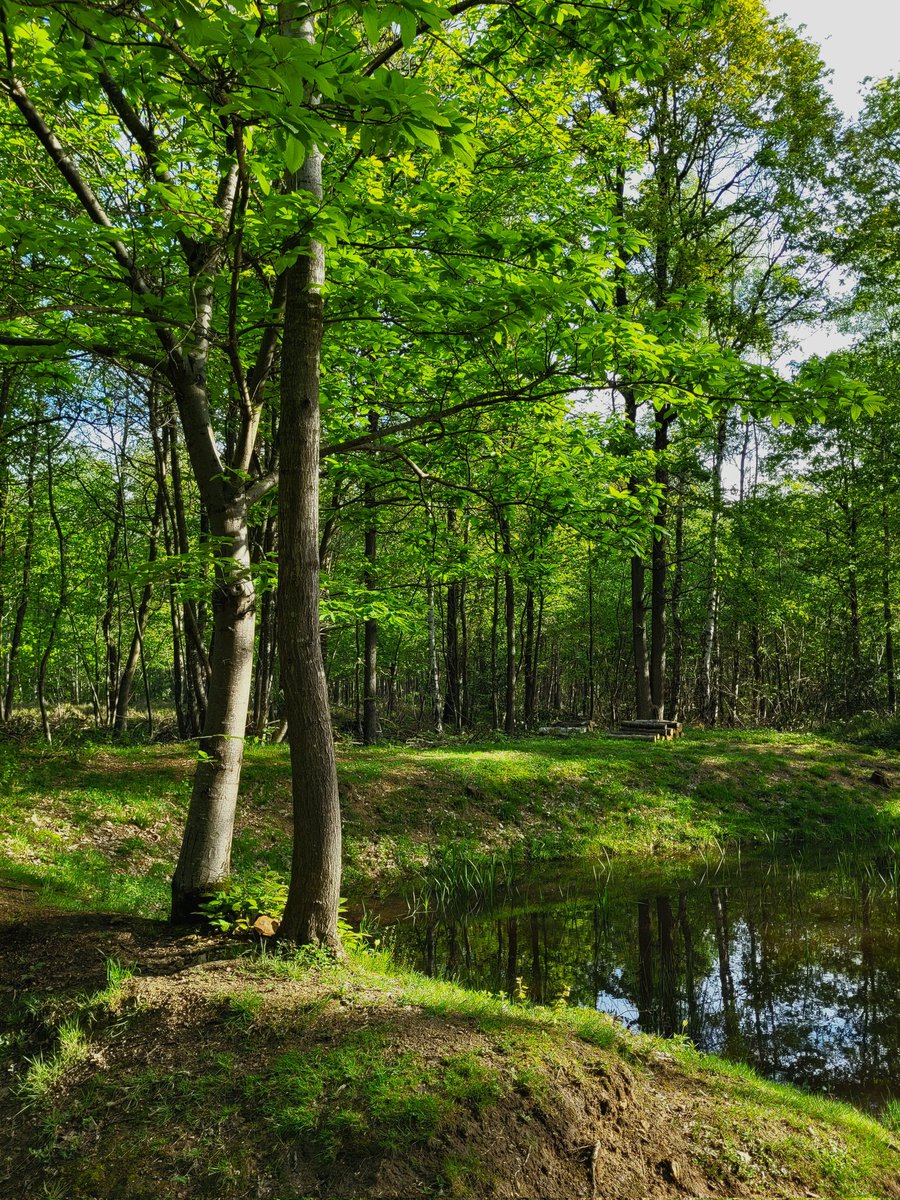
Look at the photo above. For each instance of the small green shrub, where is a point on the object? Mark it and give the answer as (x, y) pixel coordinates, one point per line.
(235, 905)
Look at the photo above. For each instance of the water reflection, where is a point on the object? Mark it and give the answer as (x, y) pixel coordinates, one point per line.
(794, 969)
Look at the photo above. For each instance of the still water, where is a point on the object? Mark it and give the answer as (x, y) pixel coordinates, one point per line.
(792, 967)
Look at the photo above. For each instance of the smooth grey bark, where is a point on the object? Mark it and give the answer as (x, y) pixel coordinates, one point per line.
(205, 856)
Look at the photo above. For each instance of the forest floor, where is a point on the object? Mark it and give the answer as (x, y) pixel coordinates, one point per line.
(137, 1063)
(99, 825)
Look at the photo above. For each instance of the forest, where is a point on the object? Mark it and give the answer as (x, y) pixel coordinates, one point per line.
(446, 607)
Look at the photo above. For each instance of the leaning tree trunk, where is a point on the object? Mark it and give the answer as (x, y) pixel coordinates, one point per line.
(310, 916)
(205, 857)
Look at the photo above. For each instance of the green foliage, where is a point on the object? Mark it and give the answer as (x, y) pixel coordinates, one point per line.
(238, 902)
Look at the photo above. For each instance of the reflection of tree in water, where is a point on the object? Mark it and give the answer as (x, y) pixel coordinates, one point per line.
(792, 970)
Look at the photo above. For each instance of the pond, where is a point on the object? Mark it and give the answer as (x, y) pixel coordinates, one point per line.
(793, 967)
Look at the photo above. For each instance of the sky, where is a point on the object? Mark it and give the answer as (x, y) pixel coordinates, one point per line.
(858, 38)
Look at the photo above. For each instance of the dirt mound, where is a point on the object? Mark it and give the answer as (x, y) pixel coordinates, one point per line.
(281, 1079)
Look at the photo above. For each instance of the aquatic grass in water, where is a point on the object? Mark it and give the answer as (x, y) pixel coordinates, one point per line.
(459, 877)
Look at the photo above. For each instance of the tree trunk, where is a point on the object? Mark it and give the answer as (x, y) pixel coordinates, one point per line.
(706, 687)
(61, 599)
(887, 608)
(110, 641)
(434, 674)
(311, 913)
(509, 719)
(205, 857)
(22, 607)
(495, 642)
(370, 667)
(642, 695)
(658, 570)
(126, 682)
(528, 659)
(452, 697)
(592, 687)
(675, 609)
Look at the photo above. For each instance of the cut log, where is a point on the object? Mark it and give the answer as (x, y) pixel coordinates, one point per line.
(637, 736)
(648, 724)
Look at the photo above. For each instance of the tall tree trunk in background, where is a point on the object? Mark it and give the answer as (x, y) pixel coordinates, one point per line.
(264, 678)
(370, 651)
(465, 689)
(856, 671)
(706, 687)
(160, 432)
(642, 701)
(311, 912)
(659, 554)
(675, 609)
(434, 674)
(22, 606)
(886, 558)
(452, 696)
(197, 660)
(509, 719)
(592, 687)
(642, 696)
(495, 643)
(528, 659)
(110, 639)
(62, 597)
(141, 617)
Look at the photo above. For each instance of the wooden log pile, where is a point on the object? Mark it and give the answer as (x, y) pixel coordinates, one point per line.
(649, 731)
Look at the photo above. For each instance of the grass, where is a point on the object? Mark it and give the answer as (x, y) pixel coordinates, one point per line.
(45, 1072)
(100, 826)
